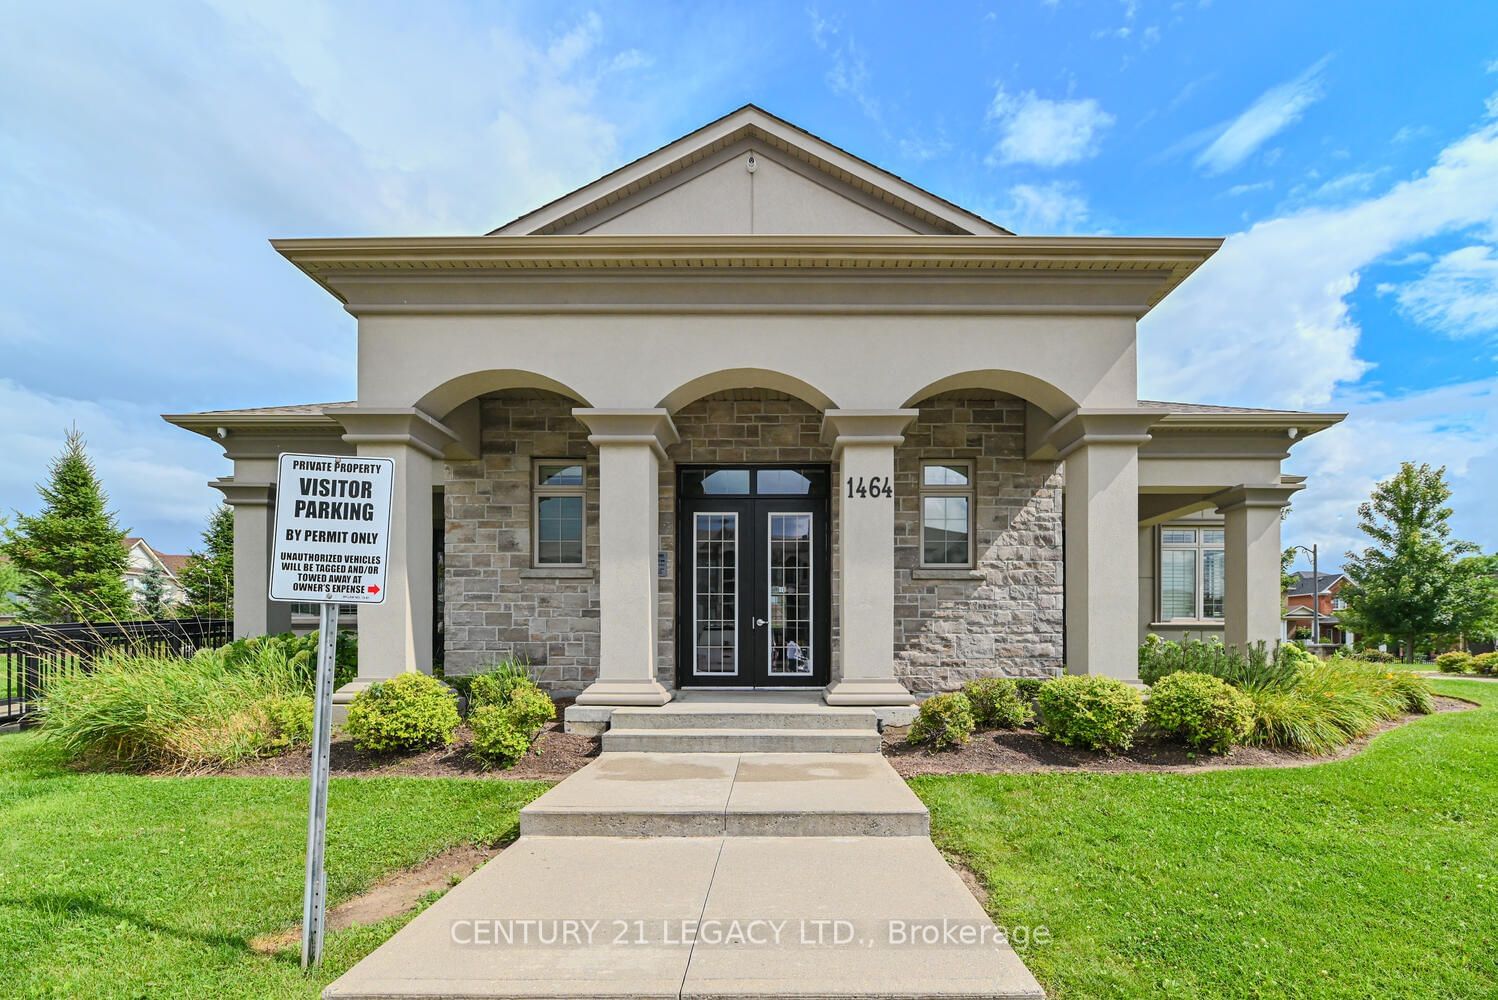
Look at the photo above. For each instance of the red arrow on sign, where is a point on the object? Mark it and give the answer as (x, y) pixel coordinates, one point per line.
(373, 589)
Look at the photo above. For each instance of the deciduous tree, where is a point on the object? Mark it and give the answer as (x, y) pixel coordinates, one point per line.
(1412, 582)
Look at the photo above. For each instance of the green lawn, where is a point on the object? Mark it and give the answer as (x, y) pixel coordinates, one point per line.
(1375, 876)
(120, 886)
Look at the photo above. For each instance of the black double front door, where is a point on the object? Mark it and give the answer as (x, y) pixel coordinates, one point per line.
(753, 564)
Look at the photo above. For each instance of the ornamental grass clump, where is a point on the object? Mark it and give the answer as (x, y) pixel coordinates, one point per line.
(410, 711)
(997, 703)
(943, 720)
(1332, 703)
(1090, 711)
(1200, 710)
(147, 712)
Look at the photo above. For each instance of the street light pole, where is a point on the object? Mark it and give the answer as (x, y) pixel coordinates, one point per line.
(1315, 593)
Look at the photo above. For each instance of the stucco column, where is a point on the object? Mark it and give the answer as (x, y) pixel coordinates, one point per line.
(254, 516)
(631, 444)
(396, 637)
(863, 443)
(1100, 451)
(1251, 606)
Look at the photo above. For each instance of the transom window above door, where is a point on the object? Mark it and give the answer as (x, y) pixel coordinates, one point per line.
(774, 481)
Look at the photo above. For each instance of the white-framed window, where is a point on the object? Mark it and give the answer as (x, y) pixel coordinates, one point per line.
(946, 513)
(1192, 572)
(558, 508)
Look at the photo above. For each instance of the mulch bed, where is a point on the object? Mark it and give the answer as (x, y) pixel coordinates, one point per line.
(555, 755)
(1024, 751)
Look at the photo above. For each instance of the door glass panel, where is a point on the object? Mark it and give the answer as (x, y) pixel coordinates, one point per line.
(715, 616)
(790, 597)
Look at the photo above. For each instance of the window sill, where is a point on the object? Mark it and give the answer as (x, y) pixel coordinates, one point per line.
(1189, 623)
(557, 573)
(945, 573)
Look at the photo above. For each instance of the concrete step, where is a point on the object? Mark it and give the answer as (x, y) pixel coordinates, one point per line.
(735, 795)
(687, 715)
(752, 740)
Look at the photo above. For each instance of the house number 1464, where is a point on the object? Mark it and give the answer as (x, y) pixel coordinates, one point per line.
(872, 486)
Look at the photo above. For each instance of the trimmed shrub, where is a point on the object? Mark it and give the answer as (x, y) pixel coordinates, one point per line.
(495, 687)
(498, 737)
(1095, 712)
(144, 711)
(997, 703)
(1201, 710)
(1454, 662)
(944, 720)
(289, 720)
(505, 732)
(532, 708)
(1486, 664)
(1029, 687)
(408, 712)
(1376, 656)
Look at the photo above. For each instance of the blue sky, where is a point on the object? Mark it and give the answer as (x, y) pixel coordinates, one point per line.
(1349, 151)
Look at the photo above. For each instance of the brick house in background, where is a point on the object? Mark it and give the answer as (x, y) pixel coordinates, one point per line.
(1301, 601)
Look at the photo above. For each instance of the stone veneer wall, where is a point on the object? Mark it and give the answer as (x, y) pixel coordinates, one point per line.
(741, 425)
(1004, 617)
(497, 605)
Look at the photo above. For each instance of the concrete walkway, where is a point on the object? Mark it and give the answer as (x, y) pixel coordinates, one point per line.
(682, 875)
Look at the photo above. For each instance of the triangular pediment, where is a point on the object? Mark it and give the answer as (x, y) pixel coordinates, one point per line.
(750, 173)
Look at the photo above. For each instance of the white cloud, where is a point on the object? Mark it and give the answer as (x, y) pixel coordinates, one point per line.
(1051, 209)
(849, 75)
(1276, 109)
(1266, 322)
(1045, 132)
(1455, 426)
(145, 161)
(1238, 190)
(1458, 295)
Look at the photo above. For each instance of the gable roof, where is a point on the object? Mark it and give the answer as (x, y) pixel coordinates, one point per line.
(170, 563)
(751, 122)
(1303, 584)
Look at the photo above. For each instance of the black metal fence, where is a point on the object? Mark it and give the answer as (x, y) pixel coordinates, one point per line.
(31, 655)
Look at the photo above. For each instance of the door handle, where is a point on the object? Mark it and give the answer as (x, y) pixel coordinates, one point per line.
(760, 623)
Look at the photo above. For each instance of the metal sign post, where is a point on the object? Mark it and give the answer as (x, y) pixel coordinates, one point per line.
(331, 543)
(314, 894)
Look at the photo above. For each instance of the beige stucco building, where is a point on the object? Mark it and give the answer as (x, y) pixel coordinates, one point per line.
(752, 412)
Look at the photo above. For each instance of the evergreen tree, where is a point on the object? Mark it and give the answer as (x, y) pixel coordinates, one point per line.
(208, 576)
(153, 593)
(1412, 583)
(71, 553)
(10, 584)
